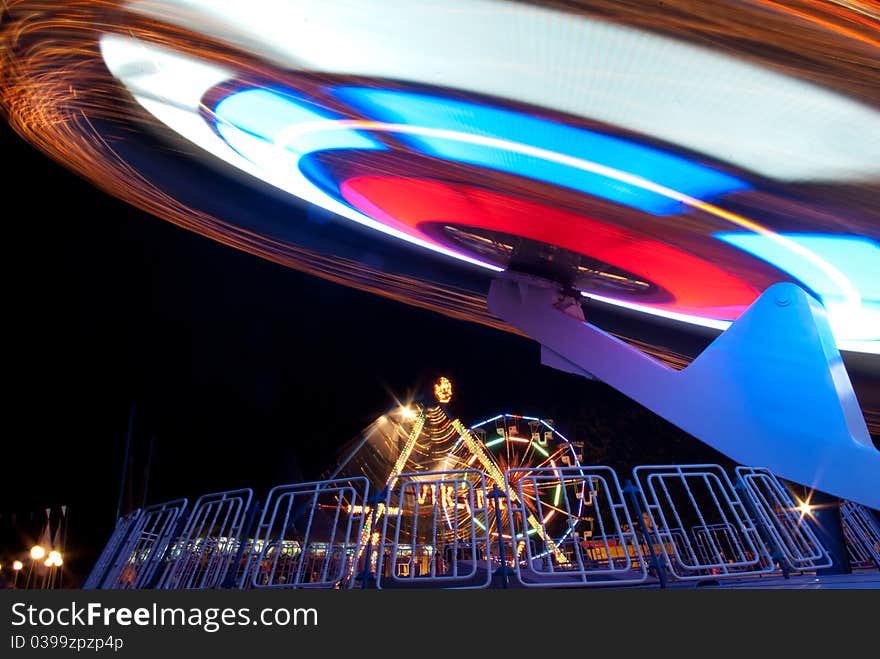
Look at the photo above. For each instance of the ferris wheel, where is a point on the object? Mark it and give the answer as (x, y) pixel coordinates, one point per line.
(530, 461)
(511, 485)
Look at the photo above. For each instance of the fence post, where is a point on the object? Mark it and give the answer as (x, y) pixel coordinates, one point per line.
(632, 491)
(860, 527)
(162, 560)
(828, 527)
(97, 580)
(229, 580)
(766, 537)
(367, 575)
(497, 494)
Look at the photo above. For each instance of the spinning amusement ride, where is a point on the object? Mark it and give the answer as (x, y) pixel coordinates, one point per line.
(633, 181)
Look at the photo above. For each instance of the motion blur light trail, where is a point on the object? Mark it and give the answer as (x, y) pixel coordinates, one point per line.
(268, 132)
(536, 148)
(669, 162)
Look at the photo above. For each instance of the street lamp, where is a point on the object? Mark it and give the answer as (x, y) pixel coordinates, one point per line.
(53, 560)
(16, 568)
(37, 553)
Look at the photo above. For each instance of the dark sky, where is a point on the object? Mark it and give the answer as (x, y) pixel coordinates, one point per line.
(245, 373)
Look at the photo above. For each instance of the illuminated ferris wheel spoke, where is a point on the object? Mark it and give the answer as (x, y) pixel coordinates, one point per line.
(544, 486)
(544, 504)
(551, 458)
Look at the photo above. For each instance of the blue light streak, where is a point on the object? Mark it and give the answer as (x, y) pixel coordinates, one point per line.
(667, 169)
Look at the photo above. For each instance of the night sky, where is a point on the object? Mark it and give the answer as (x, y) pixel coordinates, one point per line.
(242, 373)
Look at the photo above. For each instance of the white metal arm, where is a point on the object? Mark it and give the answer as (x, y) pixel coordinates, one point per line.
(771, 391)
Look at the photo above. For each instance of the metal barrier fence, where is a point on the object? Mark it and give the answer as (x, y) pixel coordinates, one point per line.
(701, 525)
(435, 530)
(777, 514)
(862, 533)
(548, 527)
(120, 532)
(140, 557)
(572, 527)
(309, 536)
(203, 553)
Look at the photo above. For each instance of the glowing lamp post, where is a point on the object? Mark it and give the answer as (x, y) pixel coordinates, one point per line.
(37, 553)
(53, 560)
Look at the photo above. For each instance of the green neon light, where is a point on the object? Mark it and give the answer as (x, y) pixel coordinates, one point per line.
(540, 450)
(495, 442)
(479, 523)
(557, 494)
